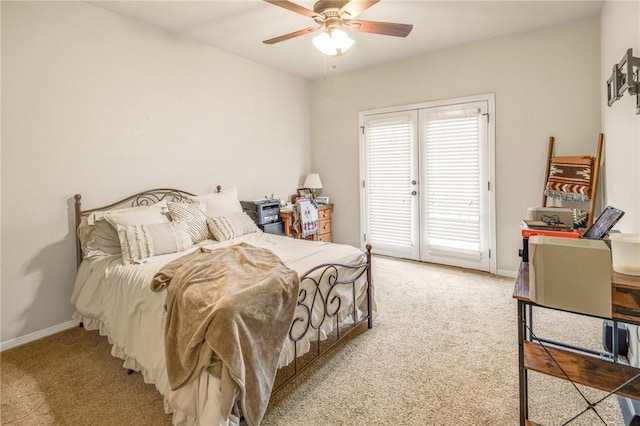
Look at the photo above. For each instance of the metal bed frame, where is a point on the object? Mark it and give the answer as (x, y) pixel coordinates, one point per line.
(335, 275)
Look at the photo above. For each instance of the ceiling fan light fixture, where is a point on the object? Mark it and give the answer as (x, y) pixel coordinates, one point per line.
(333, 43)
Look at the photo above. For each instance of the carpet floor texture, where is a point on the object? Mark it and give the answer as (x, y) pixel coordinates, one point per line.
(443, 351)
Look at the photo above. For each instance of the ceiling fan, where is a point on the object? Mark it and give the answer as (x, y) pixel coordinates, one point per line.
(333, 15)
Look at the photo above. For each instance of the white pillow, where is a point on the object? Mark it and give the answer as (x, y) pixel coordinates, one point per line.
(97, 231)
(143, 215)
(231, 226)
(140, 242)
(194, 216)
(220, 203)
(98, 239)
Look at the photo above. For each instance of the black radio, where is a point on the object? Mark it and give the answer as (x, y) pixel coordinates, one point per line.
(266, 214)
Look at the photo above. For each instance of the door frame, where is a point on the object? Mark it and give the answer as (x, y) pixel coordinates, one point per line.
(491, 141)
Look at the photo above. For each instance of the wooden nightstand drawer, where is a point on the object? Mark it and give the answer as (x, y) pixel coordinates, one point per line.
(625, 303)
(324, 213)
(324, 227)
(326, 238)
(625, 297)
(324, 223)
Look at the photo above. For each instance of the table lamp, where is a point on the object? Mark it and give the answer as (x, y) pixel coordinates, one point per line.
(314, 183)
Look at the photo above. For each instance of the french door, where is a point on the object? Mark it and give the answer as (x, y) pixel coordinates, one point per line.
(426, 182)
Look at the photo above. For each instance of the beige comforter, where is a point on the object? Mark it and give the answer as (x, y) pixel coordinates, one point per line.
(238, 300)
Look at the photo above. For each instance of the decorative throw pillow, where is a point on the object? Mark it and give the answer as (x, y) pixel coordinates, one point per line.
(194, 215)
(220, 203)
(140, 242)
(231, 226)
(97, 231)
(98, 239)
(155, 213)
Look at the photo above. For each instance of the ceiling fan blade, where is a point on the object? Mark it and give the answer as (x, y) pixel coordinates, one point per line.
(291, 35)
(294, 7)
(356, 7)
(385, 28)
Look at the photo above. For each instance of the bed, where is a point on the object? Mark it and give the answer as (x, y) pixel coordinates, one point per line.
(123, 248)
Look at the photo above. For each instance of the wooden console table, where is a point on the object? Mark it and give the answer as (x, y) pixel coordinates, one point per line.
(598, 370)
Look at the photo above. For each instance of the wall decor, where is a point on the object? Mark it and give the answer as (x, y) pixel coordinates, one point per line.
(625, 77)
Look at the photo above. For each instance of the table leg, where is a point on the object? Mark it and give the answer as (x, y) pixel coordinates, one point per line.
(522, 376)
(286, 218)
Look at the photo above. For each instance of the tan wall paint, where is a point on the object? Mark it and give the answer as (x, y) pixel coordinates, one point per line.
(103, 105)
(546, 82)
(93, 102)
(620, 30)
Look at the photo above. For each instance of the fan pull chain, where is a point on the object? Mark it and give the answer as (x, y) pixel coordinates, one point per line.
(326, 74)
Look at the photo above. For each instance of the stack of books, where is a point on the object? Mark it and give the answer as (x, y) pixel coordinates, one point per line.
(539, 227)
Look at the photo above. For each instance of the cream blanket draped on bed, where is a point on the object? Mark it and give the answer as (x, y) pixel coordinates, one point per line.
(228, 310)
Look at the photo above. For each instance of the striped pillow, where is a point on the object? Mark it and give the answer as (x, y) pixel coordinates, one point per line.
(140, 242)
(231, 226)
(194, 215)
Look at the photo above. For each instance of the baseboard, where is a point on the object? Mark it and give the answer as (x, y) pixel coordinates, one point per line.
(31, 337)
(506, 273)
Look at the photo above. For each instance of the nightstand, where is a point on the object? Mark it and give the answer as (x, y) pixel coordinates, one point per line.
(324, 224)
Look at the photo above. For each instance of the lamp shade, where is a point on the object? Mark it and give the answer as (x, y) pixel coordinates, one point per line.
(335, 43)
(312, 181)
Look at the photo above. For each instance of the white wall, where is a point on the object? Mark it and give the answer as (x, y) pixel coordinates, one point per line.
(106, 106)
(619, 31)
(102, 105)
(547, 82)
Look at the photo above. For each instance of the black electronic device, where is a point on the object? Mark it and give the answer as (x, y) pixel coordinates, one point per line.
(262, 211)
(603, 224)
(266, 214)
(275, 228)
(630, 409)
(524, 252)
(622, 338)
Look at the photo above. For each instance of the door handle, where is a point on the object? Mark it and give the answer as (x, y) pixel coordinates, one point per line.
(414, 192)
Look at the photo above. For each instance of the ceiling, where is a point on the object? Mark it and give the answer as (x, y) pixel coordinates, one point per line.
(240, 26)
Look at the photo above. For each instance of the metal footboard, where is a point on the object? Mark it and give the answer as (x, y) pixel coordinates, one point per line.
(322, 296)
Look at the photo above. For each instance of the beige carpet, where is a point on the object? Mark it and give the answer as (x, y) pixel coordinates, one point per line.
(443, 351)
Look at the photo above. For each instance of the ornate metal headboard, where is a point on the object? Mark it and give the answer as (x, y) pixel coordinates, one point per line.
(145, 198)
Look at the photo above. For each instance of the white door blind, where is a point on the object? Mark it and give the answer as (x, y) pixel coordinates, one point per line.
(389, 144)
(451, 181)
